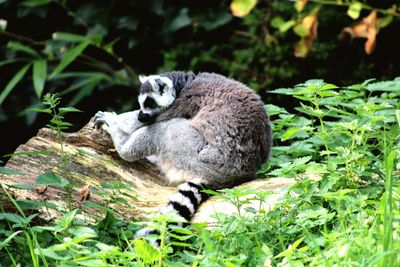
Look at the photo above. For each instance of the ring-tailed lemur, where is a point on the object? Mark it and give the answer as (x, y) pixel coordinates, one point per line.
(207, 131)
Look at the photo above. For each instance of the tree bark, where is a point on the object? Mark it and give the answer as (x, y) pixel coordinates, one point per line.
(99, 178)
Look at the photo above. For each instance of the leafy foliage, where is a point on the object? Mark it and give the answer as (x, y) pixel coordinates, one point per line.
(94, 50)
(342, 147)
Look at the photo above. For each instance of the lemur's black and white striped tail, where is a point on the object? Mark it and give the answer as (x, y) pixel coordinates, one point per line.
(184, 203)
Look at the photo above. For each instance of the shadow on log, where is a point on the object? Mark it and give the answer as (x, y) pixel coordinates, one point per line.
(99, 179)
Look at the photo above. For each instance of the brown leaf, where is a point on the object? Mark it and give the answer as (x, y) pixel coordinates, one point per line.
(41, 189)
(367, 28)
(303, 46)
(84, 194)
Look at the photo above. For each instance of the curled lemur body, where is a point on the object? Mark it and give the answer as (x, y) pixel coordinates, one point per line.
(206, 131)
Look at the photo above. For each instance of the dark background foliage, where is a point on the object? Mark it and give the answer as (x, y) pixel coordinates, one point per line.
(143, 37)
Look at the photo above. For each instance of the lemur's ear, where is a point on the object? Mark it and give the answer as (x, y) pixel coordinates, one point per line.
(143, 78)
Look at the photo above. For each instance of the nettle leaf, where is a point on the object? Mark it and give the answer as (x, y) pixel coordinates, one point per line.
(30, 204)
(49, 178)
(68, 110)
(8, 171)
(385, 86)
(82, 233)
(41, 110)
(275, 110)
(11, 217)
(283, 91)
(145, 251)
(311, 111)
(60, 123)
(67, 219)
(294, 132)
(21, 186)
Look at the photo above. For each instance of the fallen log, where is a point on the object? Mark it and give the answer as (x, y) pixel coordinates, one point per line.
(98, 179)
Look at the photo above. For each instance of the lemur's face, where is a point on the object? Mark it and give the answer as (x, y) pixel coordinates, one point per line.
(156, 95)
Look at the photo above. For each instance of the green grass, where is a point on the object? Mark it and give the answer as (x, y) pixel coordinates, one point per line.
(342, 147)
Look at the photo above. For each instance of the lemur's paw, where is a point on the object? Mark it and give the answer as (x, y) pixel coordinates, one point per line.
(103, 119)
(99, 119)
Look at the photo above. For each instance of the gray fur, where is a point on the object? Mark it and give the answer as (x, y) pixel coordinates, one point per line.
(215, 133)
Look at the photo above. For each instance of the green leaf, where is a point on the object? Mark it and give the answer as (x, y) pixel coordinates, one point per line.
(8, 239)
(86, 90)
(30, 204)
(145, 251)
(67, 219)
(9, 61)
(78, 74)
(39, 76)
(276, 22)
(354, 9)
(286, 26)
(275, 110)
(21, 186)
(92, 263)
(181, 20)
(296, 132)
(49, 178)
(94, 205)
(41, 110)
(301, 31)
(8, 171)
(68, 110)
(28, 153)
(241, 8)
(60, 123)
(13, 82)
(69, 37)
(109, 47)
(16, 46)
(82, 233)
(11, 217)
(385, 21)
(69, 57)
(35, 3)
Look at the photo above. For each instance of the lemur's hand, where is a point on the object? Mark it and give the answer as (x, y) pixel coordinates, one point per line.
(105, 120)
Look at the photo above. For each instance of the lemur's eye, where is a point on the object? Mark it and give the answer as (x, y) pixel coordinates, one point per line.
(150, 103)
(161, 86)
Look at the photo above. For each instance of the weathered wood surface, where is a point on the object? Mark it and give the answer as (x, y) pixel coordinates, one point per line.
(89, 160)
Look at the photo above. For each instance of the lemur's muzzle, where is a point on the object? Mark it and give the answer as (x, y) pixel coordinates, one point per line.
(145, 117)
